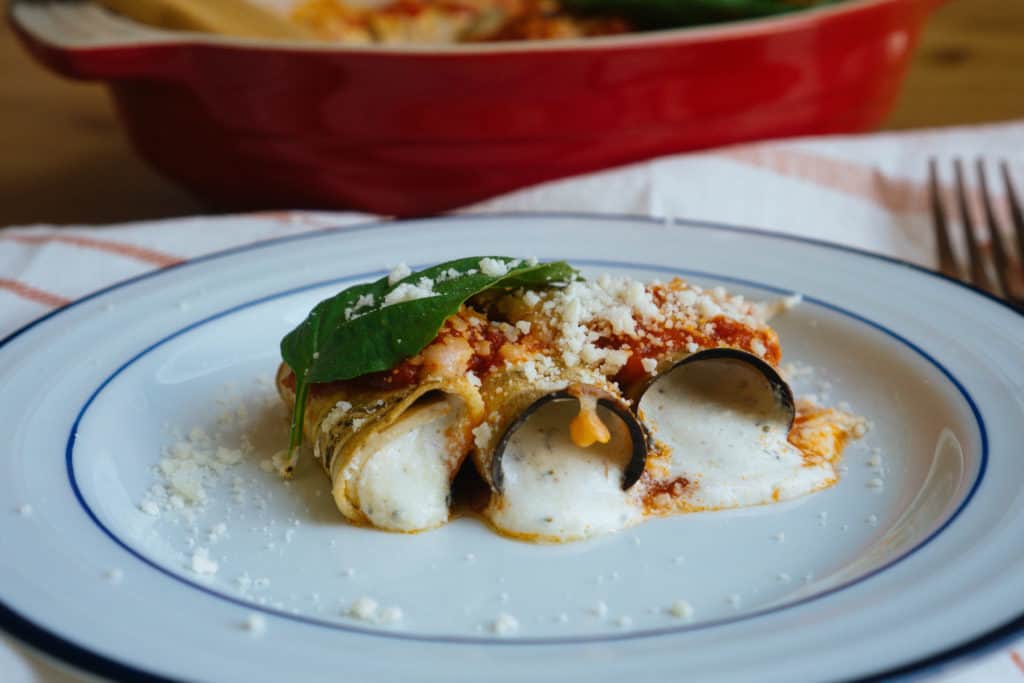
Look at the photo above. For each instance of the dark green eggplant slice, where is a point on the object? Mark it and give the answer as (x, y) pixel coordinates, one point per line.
(637, 436)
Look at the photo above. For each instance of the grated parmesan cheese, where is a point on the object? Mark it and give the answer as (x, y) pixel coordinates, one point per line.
(391, 615)
(364, 609)
(217, 532)
(255, 624)
(410, 292)
(449, 274)
(708, 308)
(202, 564)
(493, 267)
(505, 625)
(229, 456)
(353, 311)
(399, 272)
(681, 609)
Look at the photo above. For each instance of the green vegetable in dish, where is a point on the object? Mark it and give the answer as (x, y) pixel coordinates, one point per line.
(662, 14)
(372, 327)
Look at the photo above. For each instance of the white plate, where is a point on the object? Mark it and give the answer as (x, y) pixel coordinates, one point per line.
(850, 582)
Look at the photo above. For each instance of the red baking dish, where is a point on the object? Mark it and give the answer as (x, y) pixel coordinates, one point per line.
(410, 131)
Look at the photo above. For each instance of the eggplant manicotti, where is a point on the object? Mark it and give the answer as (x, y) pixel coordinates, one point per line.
(583, 407)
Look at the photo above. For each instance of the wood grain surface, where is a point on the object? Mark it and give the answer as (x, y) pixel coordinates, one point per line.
(64, 159)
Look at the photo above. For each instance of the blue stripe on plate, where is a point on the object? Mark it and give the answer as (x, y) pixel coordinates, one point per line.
(553, 640)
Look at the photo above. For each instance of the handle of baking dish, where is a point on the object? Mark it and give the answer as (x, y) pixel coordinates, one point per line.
(79, 40)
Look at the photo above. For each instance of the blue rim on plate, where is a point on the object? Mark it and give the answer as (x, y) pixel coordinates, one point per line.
(505, 642)
(54, 645)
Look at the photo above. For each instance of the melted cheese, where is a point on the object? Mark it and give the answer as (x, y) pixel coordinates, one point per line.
(728, 437)
(556, 491)
(405, 484)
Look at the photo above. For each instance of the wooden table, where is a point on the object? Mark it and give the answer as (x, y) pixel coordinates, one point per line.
(66, 161)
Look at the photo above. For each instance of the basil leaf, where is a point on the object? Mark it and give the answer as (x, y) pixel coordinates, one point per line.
(360, 331)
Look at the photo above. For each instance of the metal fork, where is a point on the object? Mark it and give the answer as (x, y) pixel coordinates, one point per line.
(1006, 284)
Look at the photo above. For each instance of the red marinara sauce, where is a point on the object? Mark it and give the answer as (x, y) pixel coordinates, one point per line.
(659, 341)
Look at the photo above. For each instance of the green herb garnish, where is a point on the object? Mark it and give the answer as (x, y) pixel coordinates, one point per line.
(372, 327)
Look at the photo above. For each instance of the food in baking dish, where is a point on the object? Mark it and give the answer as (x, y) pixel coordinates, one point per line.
(468, 21)
(579, 406)
(399, 22)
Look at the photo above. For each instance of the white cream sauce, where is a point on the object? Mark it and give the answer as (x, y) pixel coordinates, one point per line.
(405, 484)
(728, 436)
(555, 490)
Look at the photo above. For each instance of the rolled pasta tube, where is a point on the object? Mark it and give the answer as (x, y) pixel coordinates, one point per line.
(391, 454)
(560, 457)
(722, 422)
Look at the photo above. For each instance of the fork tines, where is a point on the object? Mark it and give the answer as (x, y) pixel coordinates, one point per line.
(994, 270)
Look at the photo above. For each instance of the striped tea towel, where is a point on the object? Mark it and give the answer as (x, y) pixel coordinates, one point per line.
(865, 191)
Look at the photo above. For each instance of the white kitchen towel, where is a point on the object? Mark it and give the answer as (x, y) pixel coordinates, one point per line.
(866, 191)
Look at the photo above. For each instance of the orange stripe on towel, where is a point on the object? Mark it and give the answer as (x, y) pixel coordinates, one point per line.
(1017, 659)
(120, 248)
(39, 296)
(898, 196)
